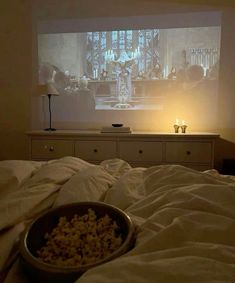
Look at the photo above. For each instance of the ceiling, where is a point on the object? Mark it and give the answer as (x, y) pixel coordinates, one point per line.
(57, 9)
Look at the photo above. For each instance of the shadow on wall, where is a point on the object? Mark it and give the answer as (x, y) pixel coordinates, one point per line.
(225, 156)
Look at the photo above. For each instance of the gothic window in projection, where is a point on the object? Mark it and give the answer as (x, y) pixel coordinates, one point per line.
(133, 69)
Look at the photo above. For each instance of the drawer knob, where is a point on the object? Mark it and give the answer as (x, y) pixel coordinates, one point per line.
(95, 150)
(51, 148)
(140, 151)
(188, 152)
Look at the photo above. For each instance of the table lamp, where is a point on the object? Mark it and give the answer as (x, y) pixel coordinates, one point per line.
(48, 90)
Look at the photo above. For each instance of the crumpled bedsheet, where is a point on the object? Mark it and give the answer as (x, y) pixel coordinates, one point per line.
(185, 219)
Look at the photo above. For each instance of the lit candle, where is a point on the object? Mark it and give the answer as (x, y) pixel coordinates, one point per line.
(176, 126)
(183, 127)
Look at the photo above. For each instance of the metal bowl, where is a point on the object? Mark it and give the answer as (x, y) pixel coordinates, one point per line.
(33, 239)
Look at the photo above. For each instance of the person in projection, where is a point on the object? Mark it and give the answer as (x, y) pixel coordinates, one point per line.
(172, 74)
(123, 68)
(156, 72)
(51, 73)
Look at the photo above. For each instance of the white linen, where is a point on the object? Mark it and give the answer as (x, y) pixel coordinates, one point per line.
(14, 172)
(88, 185)
(31, 188)
(20, 203)
(185, 218)
(186, 232)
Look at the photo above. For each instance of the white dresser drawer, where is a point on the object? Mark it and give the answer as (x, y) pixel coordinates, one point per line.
(96, 150)
(195, 150)
(178, 152)
(50, 149)
(141, 151)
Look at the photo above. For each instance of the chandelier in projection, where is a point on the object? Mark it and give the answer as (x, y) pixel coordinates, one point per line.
(122, 68)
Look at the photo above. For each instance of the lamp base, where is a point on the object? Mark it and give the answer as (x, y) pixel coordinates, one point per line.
(50, 129)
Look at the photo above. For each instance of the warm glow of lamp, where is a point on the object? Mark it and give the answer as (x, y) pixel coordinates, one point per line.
(48, 90)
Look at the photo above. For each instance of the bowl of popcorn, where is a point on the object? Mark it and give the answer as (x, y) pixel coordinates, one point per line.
(64, 242)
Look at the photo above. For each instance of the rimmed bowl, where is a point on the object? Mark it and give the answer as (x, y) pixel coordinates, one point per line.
(33, 239)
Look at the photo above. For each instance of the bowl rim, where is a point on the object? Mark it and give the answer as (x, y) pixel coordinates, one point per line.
(39, 264)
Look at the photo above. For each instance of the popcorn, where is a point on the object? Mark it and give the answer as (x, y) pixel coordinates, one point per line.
(83, 240)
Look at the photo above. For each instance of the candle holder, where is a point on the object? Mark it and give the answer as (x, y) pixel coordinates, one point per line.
(176, 127)
(183, 129)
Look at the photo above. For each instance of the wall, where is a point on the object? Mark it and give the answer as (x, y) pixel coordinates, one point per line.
(16, 65)
(15, 77)
(226, 115)
(171, 97)
(67, 51)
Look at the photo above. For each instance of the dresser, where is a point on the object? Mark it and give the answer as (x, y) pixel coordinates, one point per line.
(194, 150)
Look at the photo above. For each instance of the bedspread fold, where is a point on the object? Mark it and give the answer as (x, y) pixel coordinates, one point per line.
(185, 218)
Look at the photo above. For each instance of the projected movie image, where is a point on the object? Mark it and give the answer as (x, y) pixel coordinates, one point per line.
(131, 69)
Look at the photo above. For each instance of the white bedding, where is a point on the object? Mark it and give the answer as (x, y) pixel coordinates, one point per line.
(185, 218)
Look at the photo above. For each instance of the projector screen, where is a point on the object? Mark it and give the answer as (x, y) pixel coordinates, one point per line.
(165, 64)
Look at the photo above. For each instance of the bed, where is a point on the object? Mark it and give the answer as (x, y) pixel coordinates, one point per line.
(185, 218)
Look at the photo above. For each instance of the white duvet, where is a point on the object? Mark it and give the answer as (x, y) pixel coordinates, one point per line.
(185, 218)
